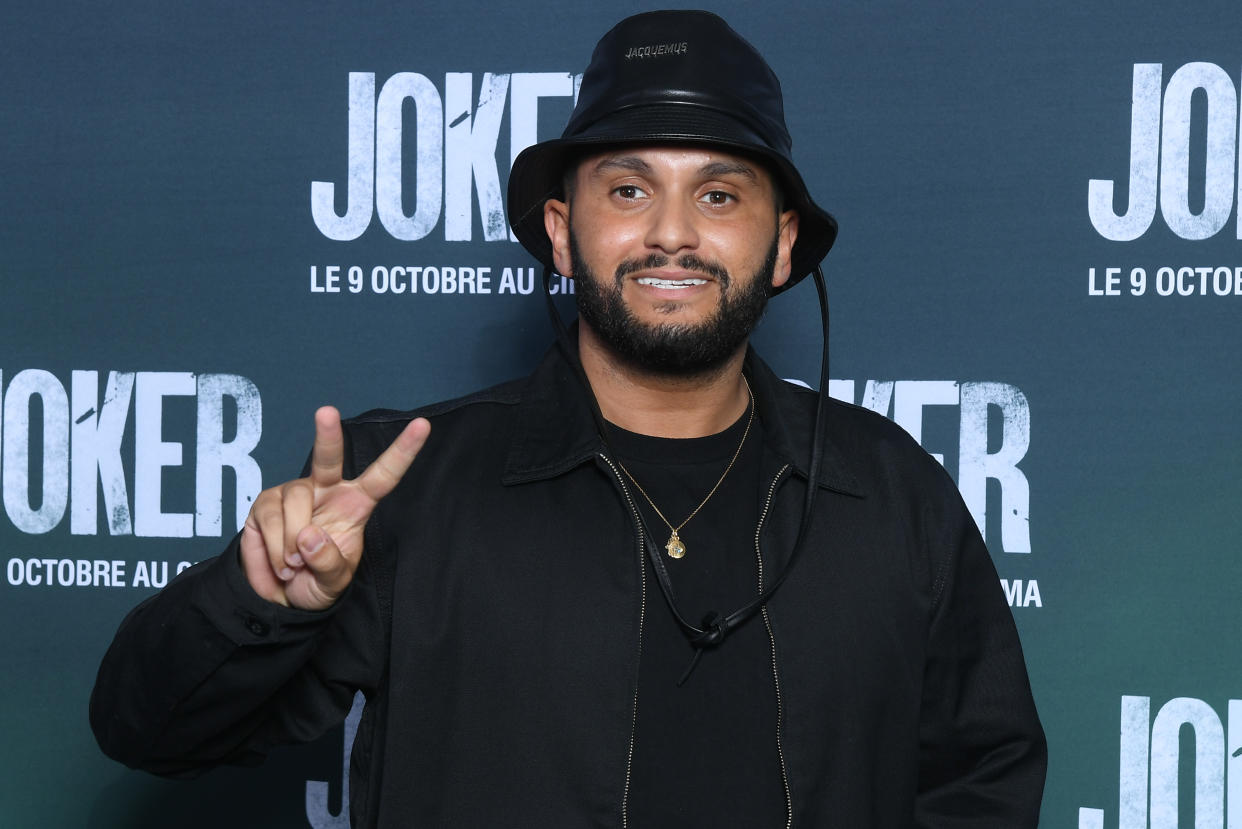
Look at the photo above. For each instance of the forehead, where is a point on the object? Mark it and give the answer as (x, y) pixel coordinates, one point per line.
(691, 160)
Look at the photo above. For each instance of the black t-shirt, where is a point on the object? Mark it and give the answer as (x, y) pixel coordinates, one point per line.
(705, 753)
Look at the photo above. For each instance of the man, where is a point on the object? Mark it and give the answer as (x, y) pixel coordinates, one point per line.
(579, 606)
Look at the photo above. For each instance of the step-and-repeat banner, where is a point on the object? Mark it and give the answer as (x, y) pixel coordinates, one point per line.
(219, 216)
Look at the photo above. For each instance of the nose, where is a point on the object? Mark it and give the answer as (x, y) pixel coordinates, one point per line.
(673, 227)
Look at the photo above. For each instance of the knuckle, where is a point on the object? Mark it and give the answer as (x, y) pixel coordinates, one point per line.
(265, 499)
(267, 512)
(295, 487)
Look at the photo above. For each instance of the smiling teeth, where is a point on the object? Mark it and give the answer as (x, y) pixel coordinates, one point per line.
(670, 283)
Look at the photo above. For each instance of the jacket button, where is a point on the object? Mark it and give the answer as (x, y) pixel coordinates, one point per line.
(256, 627)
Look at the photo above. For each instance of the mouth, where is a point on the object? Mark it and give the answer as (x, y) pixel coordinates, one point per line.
(670, 284)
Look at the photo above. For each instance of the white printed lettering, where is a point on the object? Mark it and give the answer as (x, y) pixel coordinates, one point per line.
(1153, 751)
(1222, 126)
(976, 464)
(1160, 153)
(1144, 149)
(361, 175)
(97, 432)
(54, 492)
(429, 150)
(470, 155)
(214, 453)
(152, 454)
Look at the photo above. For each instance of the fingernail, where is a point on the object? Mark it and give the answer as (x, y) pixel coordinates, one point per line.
(295, 559)
(310, 543)
(285, 574)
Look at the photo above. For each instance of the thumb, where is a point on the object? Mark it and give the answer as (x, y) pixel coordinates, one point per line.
(332, 571)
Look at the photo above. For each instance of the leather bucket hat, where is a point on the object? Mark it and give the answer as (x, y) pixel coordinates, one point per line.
(671, 77)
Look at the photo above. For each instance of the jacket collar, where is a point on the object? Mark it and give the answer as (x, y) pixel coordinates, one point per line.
(554, 429)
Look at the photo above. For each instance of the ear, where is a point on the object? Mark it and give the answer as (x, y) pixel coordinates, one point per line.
(556, 223)
(786, 235)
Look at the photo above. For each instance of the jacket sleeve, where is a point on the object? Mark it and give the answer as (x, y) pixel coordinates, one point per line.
(983, 756)
(207, 672)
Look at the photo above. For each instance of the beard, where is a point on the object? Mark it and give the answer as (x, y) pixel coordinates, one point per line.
(675, 349)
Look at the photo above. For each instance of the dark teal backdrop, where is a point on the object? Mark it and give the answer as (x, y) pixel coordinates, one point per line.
(1069, 346)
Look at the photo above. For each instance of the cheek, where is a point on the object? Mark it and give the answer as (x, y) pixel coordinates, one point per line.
(741, 249)
(605, 244)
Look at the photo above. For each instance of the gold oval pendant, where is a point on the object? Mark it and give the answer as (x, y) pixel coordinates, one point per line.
(674, 546)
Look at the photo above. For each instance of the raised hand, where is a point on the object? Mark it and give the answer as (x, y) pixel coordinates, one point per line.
(303, 539)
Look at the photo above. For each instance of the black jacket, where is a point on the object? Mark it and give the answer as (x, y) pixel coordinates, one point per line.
(494, 622)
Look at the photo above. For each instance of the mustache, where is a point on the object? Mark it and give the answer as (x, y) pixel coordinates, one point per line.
(687, 261)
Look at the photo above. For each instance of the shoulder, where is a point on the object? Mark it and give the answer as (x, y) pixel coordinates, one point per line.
(884, 456)
(508, 393)
(888, 465)
(478, 414)
(864, 444)
(868, 437)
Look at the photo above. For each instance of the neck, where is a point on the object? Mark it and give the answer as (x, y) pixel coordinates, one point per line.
(660, 405)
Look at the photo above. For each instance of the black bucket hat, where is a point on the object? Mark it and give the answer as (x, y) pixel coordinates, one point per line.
(672, 77)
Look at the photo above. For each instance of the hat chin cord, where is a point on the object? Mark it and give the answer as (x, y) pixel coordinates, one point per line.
(714, 628)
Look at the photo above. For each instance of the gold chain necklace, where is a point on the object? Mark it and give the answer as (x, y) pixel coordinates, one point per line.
(675, 547)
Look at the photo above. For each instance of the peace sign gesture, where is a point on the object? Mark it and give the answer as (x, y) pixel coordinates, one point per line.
(303, 539)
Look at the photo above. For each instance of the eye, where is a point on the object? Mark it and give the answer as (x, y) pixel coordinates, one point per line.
(718, 198)
(629, 192)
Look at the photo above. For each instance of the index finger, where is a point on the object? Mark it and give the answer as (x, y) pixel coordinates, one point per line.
(328, 453)
(385, 472)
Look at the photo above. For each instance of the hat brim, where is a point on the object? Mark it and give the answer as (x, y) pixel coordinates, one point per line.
(538, 172)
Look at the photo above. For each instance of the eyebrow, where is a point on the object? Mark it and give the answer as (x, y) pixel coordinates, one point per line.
(632, 163)
(635, 164)
(724, 168)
